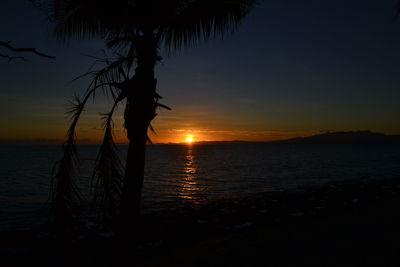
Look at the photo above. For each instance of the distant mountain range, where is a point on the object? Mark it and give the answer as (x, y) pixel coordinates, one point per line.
(351, 137)
(354, 137)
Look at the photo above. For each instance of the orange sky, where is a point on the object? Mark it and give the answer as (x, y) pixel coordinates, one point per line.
(171, 127)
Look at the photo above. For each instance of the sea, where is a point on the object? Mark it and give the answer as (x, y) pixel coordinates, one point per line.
(189, 175)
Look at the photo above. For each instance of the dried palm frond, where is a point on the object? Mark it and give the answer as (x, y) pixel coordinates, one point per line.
(65, 197)
(112, 76)
(64, 194)
(108, 172)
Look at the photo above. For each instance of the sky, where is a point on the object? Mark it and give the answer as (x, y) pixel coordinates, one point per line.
(294, 68)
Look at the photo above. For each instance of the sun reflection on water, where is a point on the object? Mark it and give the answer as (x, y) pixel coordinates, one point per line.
(189, 186)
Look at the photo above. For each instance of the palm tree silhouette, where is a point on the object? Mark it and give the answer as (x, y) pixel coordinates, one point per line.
(135, 31)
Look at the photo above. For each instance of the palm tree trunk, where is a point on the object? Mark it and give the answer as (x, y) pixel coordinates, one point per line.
(140, 111)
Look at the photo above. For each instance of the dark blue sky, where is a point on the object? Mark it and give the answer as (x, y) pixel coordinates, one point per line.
(293, 68)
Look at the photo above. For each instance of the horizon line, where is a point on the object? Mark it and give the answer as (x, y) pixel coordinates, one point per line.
(43, 141)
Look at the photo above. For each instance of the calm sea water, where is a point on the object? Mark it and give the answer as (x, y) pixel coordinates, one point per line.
(179, 175)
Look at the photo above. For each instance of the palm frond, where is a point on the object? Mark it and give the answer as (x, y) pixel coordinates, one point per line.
(163, 106)
(93, 18)
(108, 171)
(180, 23)
(64, 194)
(199, 20)
(111, 77)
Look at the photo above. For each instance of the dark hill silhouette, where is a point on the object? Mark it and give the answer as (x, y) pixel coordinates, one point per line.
(353, 137)
(350, 137)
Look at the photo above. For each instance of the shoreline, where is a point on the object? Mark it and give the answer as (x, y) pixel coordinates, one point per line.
(358, 216)
(218, 224)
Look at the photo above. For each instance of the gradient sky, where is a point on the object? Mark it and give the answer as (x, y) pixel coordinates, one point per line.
(294, 68)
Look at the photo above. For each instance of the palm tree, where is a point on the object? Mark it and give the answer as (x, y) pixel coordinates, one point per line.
(135, 31)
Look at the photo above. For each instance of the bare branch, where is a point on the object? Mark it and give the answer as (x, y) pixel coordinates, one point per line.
(30, 50)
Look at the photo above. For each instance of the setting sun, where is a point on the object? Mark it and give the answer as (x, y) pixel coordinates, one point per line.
(189, 139)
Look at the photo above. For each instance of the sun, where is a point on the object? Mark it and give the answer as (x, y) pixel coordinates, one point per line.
(189, 139)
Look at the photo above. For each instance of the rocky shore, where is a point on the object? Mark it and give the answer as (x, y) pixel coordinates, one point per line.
(336, 225)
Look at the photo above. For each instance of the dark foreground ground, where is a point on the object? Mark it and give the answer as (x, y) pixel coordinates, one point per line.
(346, 225)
